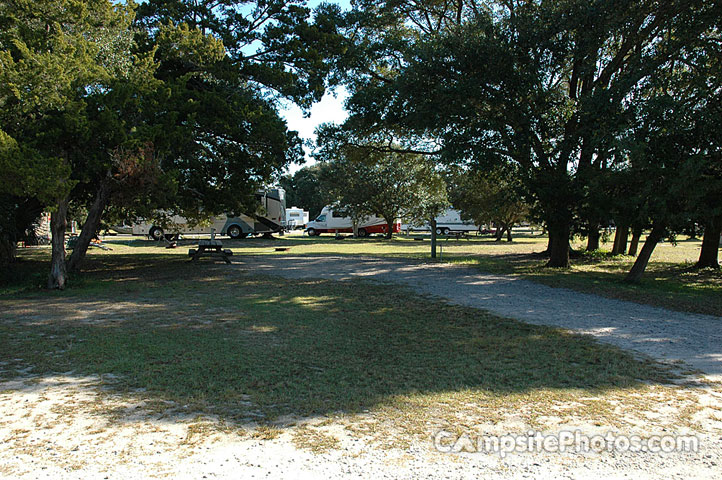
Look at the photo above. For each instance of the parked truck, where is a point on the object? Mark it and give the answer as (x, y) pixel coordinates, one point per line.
(333, 220)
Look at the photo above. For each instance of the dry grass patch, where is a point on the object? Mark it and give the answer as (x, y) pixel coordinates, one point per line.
(314, 439)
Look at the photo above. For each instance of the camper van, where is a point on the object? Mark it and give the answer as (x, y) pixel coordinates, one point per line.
(296, 218)
(272, 203)
(332, 220)
(448, 222)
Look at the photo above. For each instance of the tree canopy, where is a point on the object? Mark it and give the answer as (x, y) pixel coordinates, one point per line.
(190, 88)
(548, 87)
(365, 180)
(305, 190)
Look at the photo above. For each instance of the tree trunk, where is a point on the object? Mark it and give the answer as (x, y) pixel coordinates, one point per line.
(559, 245)
(8, 246)
(90, 227)
(635, 274)
(620, 240)
(550, 243)
(634, 244)
(433, 237)
(500, 232)
(389, 228)
(708, 256)
(508, 233)
(593, 238)
(58, 223)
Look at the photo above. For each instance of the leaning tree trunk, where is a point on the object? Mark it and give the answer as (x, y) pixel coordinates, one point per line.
(593, 238)
(634, 244)
(58, 222)
(559, 245)
(500, 232)
(433, 237)
(620, 240)
(635, 274)
(708, 256)
(90, 227)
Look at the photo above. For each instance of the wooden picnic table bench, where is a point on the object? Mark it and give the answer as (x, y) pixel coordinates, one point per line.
(210, 248)
(459, 235)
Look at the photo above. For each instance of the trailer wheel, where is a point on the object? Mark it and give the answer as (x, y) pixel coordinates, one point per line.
(446, 231)
(439, 231)
(312, 232)
(362, 232)
(156, 233)
(235, 231)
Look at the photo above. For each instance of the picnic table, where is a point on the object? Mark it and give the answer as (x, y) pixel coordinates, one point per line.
(458, 235)
(210, 248)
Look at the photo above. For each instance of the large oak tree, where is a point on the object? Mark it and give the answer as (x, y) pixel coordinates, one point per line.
(542, 85)
(191, 87)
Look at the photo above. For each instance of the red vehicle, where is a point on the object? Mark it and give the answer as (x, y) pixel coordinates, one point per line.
(332, 221)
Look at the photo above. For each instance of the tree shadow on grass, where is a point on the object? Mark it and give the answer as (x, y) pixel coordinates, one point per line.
(230, 345)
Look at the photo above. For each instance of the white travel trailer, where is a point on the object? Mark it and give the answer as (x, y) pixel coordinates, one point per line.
(334, 221)
(296, 218)
(271, 202)
(448, 222)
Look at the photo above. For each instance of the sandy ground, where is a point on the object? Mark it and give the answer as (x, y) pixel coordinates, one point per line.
(67, 426)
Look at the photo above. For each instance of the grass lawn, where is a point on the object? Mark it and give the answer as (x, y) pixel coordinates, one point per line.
(669, 280)
(214, 339)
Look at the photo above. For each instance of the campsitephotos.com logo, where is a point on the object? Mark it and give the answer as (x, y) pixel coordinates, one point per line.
(561, 442)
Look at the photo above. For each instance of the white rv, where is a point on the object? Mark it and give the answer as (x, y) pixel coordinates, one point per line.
(272, 203)
(296, 218)
(448, 222)
(333, 221)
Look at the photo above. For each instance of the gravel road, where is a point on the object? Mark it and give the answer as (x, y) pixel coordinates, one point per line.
(662, 334)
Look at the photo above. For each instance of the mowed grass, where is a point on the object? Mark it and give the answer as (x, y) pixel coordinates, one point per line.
(215, 339)
(670, 280)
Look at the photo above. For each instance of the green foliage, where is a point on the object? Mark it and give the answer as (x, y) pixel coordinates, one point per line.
(224, 65)
(673, 150)
(53, 56)
(370, 179)
(276, 45)
(488, 196)
(94, 100)
(27, 173)
(542, 85)
(66, 78)
(305, 190)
